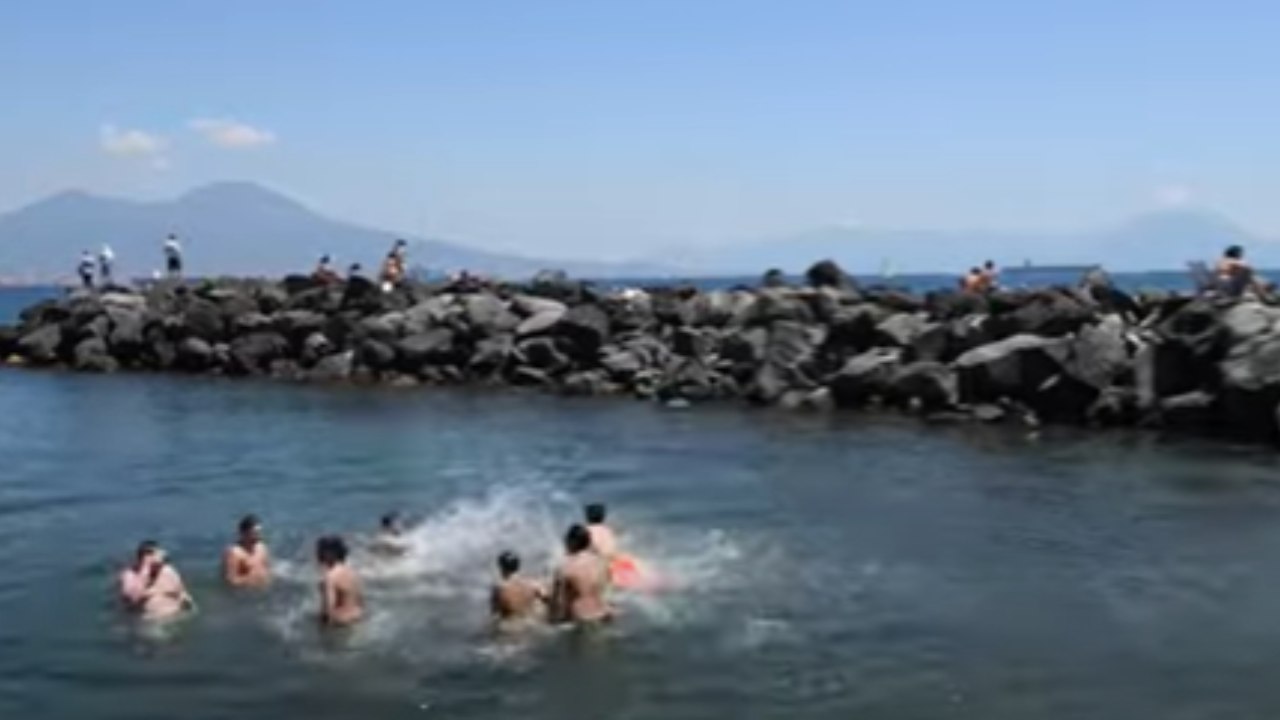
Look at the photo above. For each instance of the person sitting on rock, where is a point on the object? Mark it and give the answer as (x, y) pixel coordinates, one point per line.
(393, 266)
(990, 276)
(1234, 275)
(973, 282)
(324, 273)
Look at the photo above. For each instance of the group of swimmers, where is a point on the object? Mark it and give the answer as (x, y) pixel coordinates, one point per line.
(980, 280)
(152, 588)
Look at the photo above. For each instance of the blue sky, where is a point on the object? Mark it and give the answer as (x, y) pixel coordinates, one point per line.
(616, 129)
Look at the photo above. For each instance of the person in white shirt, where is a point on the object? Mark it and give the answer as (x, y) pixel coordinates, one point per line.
(173, 256)
(106, 259)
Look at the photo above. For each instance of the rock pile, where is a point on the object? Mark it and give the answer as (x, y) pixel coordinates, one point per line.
(1091, 355)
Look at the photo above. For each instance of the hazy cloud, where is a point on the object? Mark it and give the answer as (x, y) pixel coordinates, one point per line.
(134, 144)
(227, 133)
(1173, 196)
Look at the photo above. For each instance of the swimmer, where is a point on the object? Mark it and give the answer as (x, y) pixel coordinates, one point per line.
(390, 538)
(247, 563)
(515, 599)
(603, 541)
(578, 590)
(341, 601)
(151, 587)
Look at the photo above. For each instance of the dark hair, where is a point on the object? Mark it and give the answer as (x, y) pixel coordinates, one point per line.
(595, 513)
(324, 259)
(974, 270)
(508, 563)
(249, 522)
(1235, 252)
(389, 520)
(331, 549)
(577, 539)
(989, 264)
(146, 547)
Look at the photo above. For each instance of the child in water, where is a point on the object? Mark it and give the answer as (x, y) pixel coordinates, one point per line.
(341, 600)
(515, 600)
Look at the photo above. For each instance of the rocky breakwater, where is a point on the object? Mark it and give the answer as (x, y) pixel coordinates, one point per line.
(1090, 356)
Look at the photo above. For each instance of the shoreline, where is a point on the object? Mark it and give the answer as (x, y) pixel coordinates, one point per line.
(1090, 356)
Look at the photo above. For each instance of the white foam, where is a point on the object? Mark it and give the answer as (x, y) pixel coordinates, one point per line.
(429, 606)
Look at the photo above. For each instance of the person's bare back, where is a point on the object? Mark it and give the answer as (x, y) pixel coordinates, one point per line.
(603, 539)
(341, 599)
(514, 599)
(578, 593)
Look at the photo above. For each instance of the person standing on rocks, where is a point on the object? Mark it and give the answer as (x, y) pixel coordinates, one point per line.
(173, 257)
(106, 262)
(85, 269)
(247, 563)
(990, 276)
(393, 267)
(324, 272)
(341, 600)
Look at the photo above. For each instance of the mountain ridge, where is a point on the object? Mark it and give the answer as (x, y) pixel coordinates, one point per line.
(235, 227)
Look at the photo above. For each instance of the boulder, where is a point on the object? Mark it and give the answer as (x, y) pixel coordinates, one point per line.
(1248, 319)
(298, 325)
(864, 377)
(40, 346)
(193, 354)
(781, 304)
(1250, 389)
(930, 385)
(434, 346)
(586, 328)
(429, 313)
(1014, 367)
(203, 319)
(91, 355)
(491, 353)
(488, 315)
(1098, 355)
(541, 353)
(539, 323)
(745, 347)
(621, 364)
(530, 305)
(249, 323)
(901, 329)
(375, 355)
(692, 342)
(586, 383)
(253, 353)
(792, 344)
(123, 301)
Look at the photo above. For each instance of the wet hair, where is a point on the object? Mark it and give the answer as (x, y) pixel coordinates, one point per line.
(248, 522)
(508, 563)
(577, 539)
(390, 520)
(595, 513)
(1235, 252)
(147, 547)
(331, 549)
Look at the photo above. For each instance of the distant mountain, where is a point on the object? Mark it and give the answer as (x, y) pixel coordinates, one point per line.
(234, 228)
(1157, 241)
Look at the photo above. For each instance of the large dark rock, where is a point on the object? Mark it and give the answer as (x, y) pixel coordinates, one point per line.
(91, 355)
(586, 328)
(203, 319)
(434, 346)
(252, 354)
(194, 354)
(40, 346)
(1048, 313)
(901, 329)
(1250, 390)
(489, 315)
(491, 354)
(333, 368)
(865, 377)
(543, 354)
(375, 355)
(930, 385)
(297, 325)
(1015, 367)
(1098, 355)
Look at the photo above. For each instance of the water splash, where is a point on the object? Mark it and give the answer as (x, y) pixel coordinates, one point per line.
(428, 607)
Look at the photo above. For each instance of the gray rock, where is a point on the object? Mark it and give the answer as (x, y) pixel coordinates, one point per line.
(40, 346)
(865, 377)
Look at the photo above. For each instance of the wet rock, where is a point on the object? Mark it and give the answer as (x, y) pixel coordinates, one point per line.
(586, 328)
(434, 346)
(193, 354)
(930, 385)
(1015, 367)
(91, 355)
(252, 354)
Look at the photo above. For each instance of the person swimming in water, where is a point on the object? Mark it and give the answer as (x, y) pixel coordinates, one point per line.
(603, 539)
(341, 600)
(247, 563)
(580, 583)
(515, 600)
(152, 588)
(390, 540)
